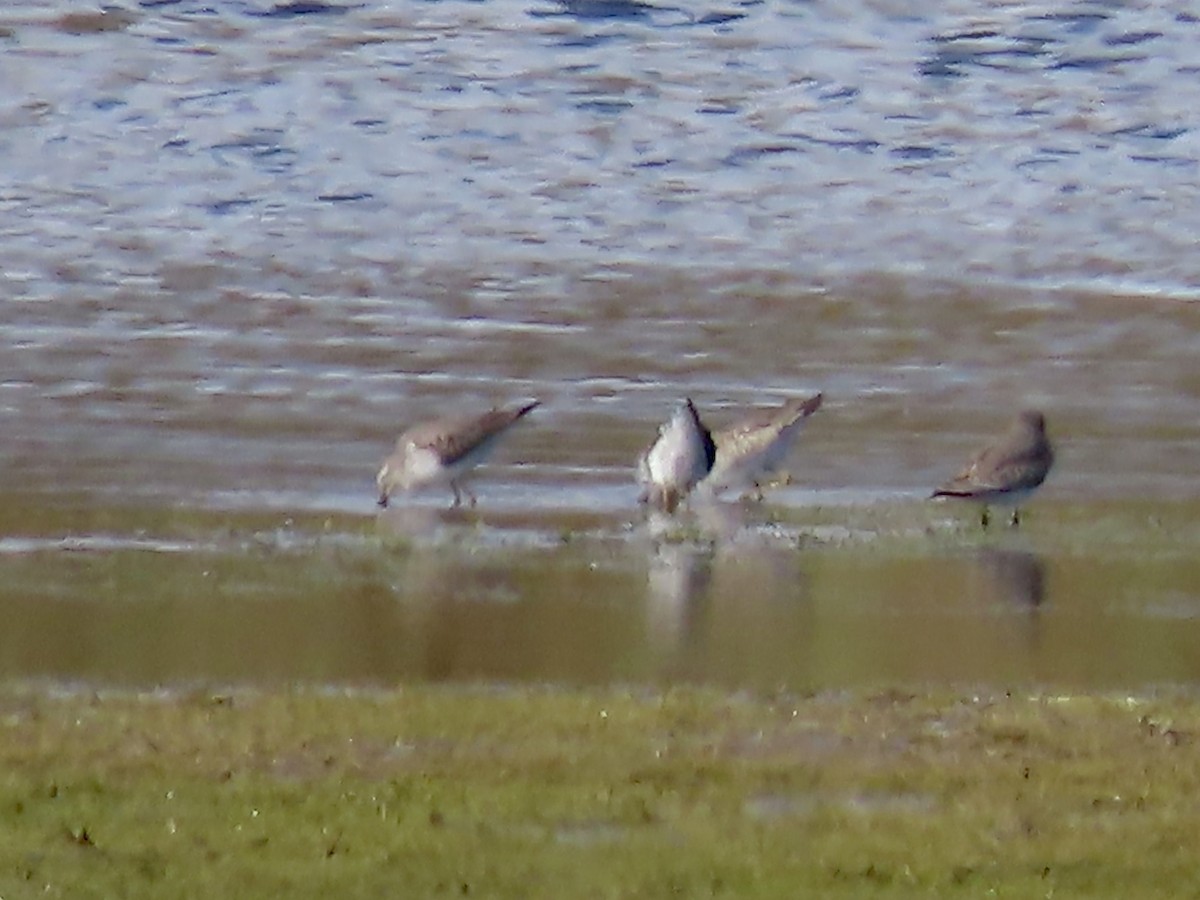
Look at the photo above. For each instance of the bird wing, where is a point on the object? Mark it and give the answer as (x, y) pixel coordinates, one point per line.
(453, 438)
(999, 469)
(779, 417)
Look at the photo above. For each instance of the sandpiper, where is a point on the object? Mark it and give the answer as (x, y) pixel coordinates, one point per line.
(1007, 471)
(444, 450)
(757, 446)
(679, 458)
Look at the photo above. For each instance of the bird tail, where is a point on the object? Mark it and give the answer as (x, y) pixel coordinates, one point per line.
(802, 409)
(947, 491)
(527, 408)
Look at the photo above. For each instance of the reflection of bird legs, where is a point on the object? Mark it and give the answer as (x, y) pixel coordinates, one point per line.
(459, 490)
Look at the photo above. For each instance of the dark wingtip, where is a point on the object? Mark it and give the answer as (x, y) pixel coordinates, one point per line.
(528, 408)
(950, 492)
(382, 502)
(710, 449)
(794, 411)
(807, 407)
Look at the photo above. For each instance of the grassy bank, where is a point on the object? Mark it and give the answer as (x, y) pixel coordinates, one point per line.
(550, 793)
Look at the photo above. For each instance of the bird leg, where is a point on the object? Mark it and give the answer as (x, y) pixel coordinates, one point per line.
(1016, 518)
(984, 519)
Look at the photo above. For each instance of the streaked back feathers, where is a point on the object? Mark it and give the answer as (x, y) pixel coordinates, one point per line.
(1017, 462)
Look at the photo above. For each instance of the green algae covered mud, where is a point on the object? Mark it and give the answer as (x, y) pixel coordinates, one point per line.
(537, 792)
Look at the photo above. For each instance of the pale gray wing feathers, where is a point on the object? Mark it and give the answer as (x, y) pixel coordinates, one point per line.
(452, 439)
(780, 417)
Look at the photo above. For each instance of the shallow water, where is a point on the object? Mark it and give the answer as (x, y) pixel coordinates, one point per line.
(241, 245)
(1084, 595)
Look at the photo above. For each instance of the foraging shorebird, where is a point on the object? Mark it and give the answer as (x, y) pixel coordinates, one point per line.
(445, 450)
(1008, 471)
(679, 458)
(750, 450)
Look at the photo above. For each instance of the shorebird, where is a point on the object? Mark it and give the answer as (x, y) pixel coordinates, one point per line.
(444, 450)
(751, 449)
(1007, 471)
(679, 458)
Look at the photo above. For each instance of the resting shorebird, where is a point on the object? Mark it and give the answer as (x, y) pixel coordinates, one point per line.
(679, 458)
(751, 449)
(445, 450)
(1006, 472)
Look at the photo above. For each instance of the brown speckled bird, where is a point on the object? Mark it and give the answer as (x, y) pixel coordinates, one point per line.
(444, 450)
(1008, 471)
(755, 447)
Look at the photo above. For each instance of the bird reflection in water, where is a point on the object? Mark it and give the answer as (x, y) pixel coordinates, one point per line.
(1013, 578)
(425, 522)
(1008, 586)
(715, 590)
(679, 583)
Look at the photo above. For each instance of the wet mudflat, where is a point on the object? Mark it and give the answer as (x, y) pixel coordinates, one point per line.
(244, 245)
